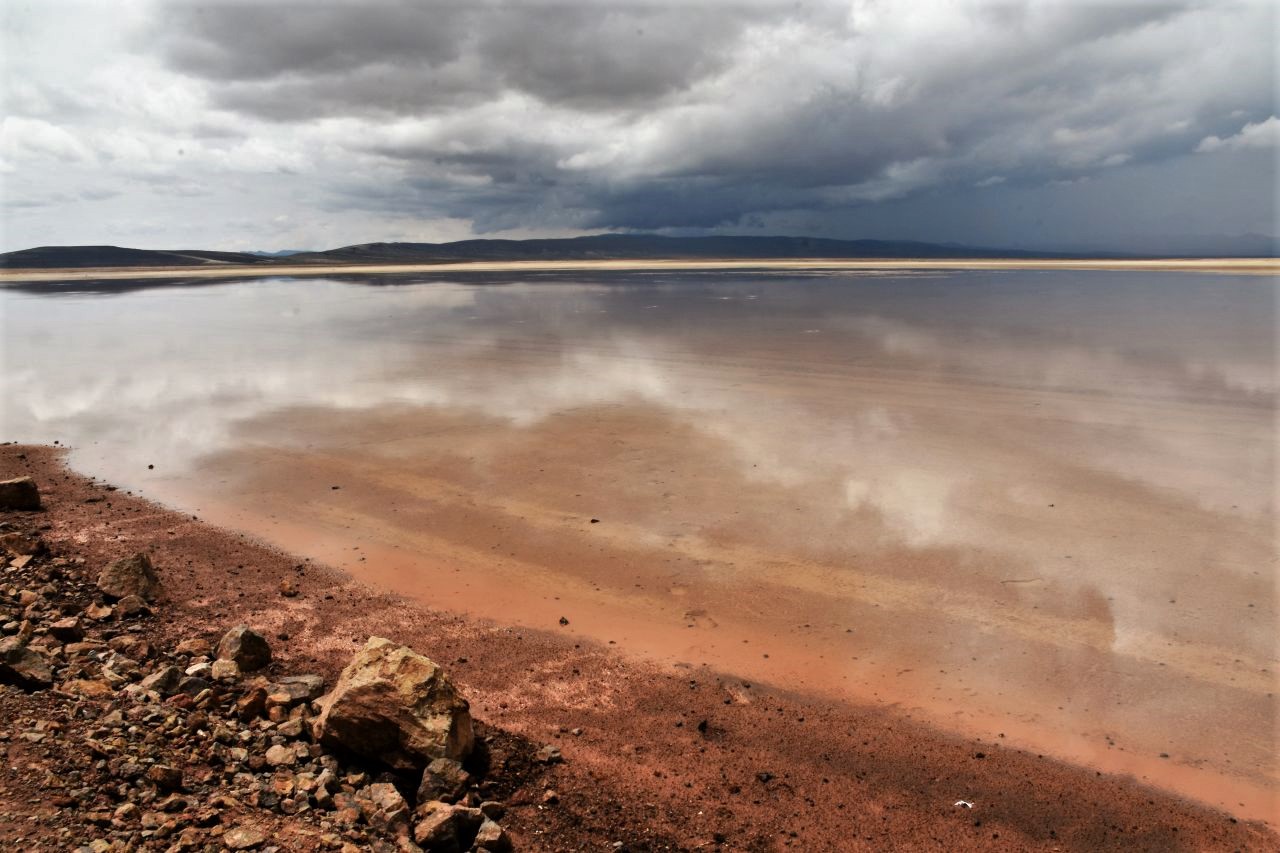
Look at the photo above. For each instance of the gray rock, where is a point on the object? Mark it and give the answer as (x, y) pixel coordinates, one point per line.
(192, 685)
(203, 669)
(130, 576)
(382, 807)
(224, 670)
(492, 837)
(19, 493)
(164, 681)
(249, 649)
(444, 779)
(294, 689)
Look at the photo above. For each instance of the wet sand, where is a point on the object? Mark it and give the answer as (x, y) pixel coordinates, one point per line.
(1234, 266)
(1043, 510)
(689, 759)
(965, 636)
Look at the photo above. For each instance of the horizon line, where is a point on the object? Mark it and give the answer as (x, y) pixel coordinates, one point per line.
(1238, 266)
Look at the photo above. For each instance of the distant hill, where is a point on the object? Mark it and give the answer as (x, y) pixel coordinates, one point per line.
(604, 247)
(597, 247)
(46, 257)
(632, 246)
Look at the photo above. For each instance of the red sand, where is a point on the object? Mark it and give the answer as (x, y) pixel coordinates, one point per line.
(644, 771)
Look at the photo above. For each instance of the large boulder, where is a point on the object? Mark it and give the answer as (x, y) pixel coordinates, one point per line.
(396, 706)
(23, 666)
(249, 649)
(19, 493)
(130, 576)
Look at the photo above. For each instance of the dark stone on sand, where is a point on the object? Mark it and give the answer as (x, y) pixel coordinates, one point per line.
(444, 779)
(193, 685)
(164, 681)
(23, 666)
(19, 493)
(165, 777)
(294, 689)
(67, 630)
(249, 649)
(132, 605)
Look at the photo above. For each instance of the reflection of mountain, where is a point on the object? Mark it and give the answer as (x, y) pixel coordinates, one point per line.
(112, 287)
(598, 247)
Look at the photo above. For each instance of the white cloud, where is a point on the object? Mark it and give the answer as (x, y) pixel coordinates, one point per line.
(35, 139)
(1262, 134)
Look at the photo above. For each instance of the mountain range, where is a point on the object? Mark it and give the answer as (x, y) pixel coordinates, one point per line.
(596, 247)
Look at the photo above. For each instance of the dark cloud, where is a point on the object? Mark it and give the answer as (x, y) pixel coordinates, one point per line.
(819, 117)
(261, 41)
(650, 115)
(290, 63)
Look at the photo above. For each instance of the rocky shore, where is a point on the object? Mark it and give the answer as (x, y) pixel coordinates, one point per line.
(203, 745)
(169, 686)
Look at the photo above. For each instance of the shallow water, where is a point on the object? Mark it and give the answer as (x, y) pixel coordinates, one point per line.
(1033, 503)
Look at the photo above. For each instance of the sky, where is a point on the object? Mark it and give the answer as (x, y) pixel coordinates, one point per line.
(281, 125)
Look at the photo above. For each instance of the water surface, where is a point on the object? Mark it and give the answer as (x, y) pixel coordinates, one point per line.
(1037, 504)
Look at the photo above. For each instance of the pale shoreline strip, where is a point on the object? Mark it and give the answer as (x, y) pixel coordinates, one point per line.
(1230, 266)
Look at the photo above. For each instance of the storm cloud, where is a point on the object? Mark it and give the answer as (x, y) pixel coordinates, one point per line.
(395, 120)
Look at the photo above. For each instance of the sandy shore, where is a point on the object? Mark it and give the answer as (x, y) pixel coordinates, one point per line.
(694, 760)
(1234, 266)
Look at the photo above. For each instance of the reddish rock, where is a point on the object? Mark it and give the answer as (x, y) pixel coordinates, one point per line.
(67, 630)
(130, 576)
(396, 706)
